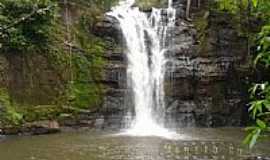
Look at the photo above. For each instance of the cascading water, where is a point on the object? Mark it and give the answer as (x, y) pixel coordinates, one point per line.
(147, 41)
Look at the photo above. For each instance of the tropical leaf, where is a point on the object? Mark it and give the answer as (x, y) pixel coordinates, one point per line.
(254, 138)
(255, 3)
(261, 124)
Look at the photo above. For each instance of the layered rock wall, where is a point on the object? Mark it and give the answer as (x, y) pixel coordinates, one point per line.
(204, 78)
(33, 80)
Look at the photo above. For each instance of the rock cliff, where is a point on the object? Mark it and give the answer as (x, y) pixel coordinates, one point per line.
(205, 72)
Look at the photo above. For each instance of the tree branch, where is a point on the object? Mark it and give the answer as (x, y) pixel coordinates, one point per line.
(25, 18)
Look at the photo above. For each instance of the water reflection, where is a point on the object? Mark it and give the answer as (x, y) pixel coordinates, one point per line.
(157, 149)
(100, 146)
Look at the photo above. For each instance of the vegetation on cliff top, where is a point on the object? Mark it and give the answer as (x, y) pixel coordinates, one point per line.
(48, 28)
(26, 24)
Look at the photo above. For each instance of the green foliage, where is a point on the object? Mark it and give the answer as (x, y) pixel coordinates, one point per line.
(84, 96)
(260, 112)
(94, 5)
(10, 116)
(260, 8)
(16, 114)
(85, 91)
(34, 26)
(263, 49)
(13, 117)
(148, 4)
(26, 24)
(201, 25)
(40, 112)
(257, 8)
(260, 92)
(4, 97)
(231, 6)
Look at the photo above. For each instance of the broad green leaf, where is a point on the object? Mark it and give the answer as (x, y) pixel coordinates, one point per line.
(261, 123)
(255, 3)
(252, 106)
(264, 114)
(259, 56)
(266, 104)
(254, 112)
(250, 128)
(248, 138)
(254, 138)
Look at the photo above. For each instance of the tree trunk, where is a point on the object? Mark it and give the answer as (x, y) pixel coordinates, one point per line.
(188, 9)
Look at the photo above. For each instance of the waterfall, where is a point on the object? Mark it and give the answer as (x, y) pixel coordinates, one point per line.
(147, 42)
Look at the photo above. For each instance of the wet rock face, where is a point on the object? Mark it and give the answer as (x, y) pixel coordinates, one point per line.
(204, 78)
(3, 70)
(32, 80)
(116, 101)
(108, 28)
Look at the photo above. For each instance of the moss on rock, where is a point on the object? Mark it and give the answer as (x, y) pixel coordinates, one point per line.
(148, 4)
(65, 75)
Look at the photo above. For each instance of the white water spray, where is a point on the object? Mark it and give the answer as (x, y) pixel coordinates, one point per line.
(146, 39)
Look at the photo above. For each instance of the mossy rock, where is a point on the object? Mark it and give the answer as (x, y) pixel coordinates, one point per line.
(148, 4)
(201, 24)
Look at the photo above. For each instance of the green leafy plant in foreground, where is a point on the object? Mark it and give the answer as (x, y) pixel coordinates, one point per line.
(259, 107)
(263, 56)
(260, 112)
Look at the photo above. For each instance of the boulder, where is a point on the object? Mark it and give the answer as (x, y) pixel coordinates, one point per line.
(35, 128)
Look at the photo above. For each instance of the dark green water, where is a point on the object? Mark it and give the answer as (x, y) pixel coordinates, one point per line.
(194, 144)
